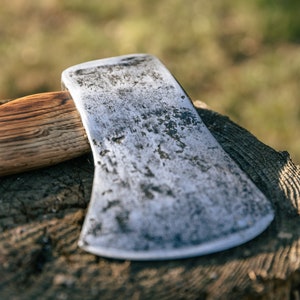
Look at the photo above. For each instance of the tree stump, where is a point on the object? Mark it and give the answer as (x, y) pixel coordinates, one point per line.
(41, 213)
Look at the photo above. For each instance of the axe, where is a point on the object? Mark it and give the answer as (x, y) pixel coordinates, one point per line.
(163, 187)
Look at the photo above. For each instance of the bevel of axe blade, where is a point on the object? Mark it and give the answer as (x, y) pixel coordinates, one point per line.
(163, 187)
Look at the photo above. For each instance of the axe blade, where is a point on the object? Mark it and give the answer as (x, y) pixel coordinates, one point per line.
(163, 187)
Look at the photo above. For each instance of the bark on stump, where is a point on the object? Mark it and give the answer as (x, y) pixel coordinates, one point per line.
(41, 213)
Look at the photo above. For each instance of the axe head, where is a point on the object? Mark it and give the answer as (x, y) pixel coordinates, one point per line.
(163, 187)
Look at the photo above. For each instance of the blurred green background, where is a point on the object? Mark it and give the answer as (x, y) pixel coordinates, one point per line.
(242, 58)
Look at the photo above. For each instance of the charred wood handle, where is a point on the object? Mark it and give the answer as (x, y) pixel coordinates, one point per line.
(38, 131)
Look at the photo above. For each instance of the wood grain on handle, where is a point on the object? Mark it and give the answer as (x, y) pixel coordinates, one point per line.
(38, 131)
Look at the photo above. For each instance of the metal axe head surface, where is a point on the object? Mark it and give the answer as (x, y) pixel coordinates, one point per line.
(163, 187)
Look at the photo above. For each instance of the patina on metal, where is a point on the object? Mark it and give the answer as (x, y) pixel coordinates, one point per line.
(163, 186)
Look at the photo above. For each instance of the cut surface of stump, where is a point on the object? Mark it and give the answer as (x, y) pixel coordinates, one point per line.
(41, 214)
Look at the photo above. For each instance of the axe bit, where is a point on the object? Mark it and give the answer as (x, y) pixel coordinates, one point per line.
(163, 187)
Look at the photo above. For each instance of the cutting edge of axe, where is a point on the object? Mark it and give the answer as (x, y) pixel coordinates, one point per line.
(45, 129)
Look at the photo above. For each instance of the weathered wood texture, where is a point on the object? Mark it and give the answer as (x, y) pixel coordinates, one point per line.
(38, 131)
(41, 214)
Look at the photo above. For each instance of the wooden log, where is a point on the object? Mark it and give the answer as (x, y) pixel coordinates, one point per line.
(41, 214)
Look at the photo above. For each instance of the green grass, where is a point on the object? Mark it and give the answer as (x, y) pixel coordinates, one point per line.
(240, 57)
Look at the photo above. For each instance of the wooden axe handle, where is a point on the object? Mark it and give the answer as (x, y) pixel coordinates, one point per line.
(38, 131)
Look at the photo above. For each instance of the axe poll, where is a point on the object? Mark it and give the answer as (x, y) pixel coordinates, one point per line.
(163, 187)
